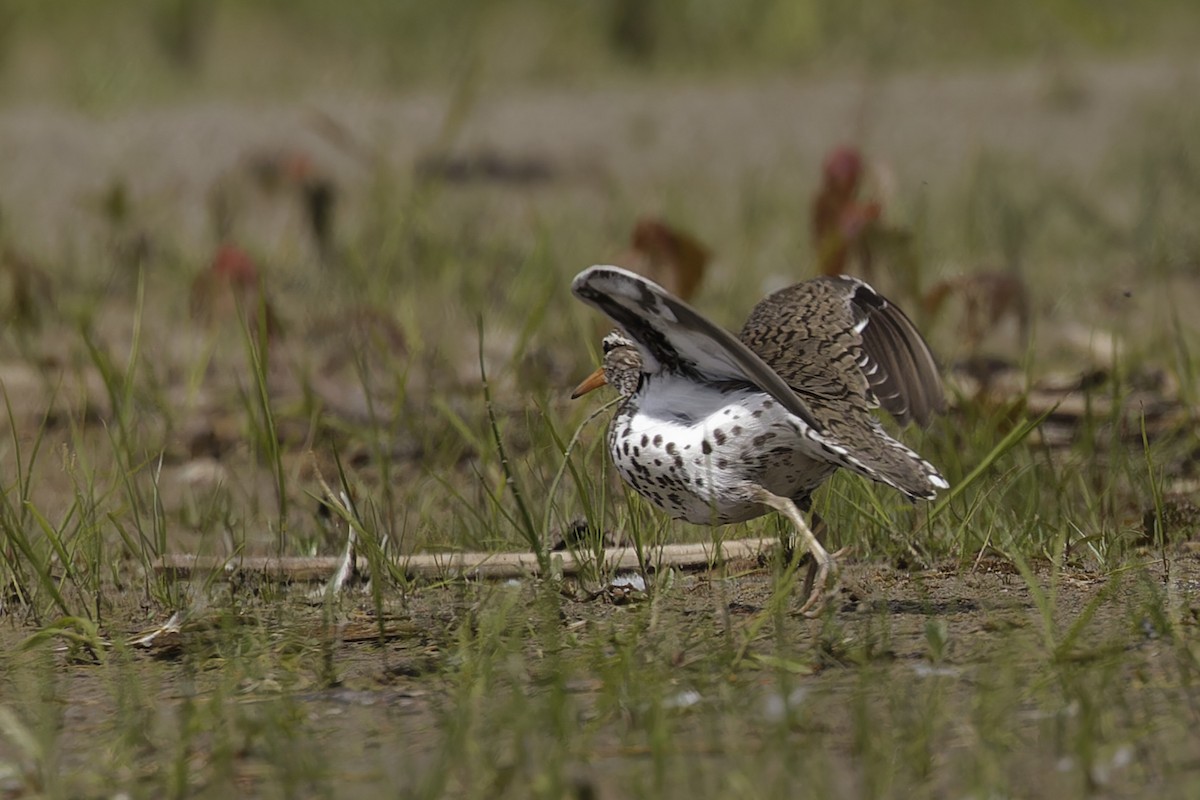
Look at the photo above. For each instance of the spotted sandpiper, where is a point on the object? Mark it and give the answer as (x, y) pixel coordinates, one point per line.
(716, 428)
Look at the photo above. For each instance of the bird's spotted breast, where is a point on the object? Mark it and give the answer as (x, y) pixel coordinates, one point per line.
(704, 471)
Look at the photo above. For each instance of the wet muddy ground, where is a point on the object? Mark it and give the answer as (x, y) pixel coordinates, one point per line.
(911, 668)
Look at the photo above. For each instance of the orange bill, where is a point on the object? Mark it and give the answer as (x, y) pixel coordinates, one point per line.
(591, 382)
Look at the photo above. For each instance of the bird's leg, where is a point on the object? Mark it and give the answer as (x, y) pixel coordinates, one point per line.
(826, 567)
(819, 529)
(787, 541)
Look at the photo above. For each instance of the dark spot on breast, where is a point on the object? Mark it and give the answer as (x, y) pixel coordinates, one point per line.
(645, 440)
(679, 462)
(722, 463)
(768, 403)
(658, 440)
(763, 438)
(625, 447)
(705, 447)
(719, 435)
(699, 481)
(737, 430)
(758, 412)
(636, 451)
(658, 462)
(671, 449)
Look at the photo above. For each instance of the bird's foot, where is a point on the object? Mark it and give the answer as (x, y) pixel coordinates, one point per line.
(820, 583)
(814, 589)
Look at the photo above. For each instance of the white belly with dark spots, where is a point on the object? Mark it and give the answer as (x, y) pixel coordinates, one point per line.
(695, 452)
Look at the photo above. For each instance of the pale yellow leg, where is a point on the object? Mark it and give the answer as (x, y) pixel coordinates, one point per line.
(819, 529)
(826, 566)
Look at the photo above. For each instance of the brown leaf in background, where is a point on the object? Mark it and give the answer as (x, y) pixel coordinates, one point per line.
(987, 300)
(25, 290)
(667, 256)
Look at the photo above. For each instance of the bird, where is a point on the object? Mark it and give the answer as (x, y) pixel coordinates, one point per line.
(714, 428)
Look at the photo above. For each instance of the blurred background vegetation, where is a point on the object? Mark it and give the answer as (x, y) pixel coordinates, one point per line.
(138, 50)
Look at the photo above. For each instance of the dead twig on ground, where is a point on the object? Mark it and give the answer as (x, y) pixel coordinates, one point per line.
(471, 565)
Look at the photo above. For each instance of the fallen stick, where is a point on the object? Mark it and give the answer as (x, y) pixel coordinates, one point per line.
(471, 565)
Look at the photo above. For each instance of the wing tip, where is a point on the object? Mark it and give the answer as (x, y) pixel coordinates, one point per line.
(596, 270)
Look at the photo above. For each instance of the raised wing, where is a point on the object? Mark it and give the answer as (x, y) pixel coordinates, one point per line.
(673, 337)
(906, 379)
(838, 338)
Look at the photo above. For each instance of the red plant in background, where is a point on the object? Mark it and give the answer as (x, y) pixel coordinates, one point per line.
(286, 173)
(232, 280)
(840, 222)
(234, 266)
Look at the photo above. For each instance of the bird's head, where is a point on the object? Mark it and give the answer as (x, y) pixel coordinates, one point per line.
(622, 367)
